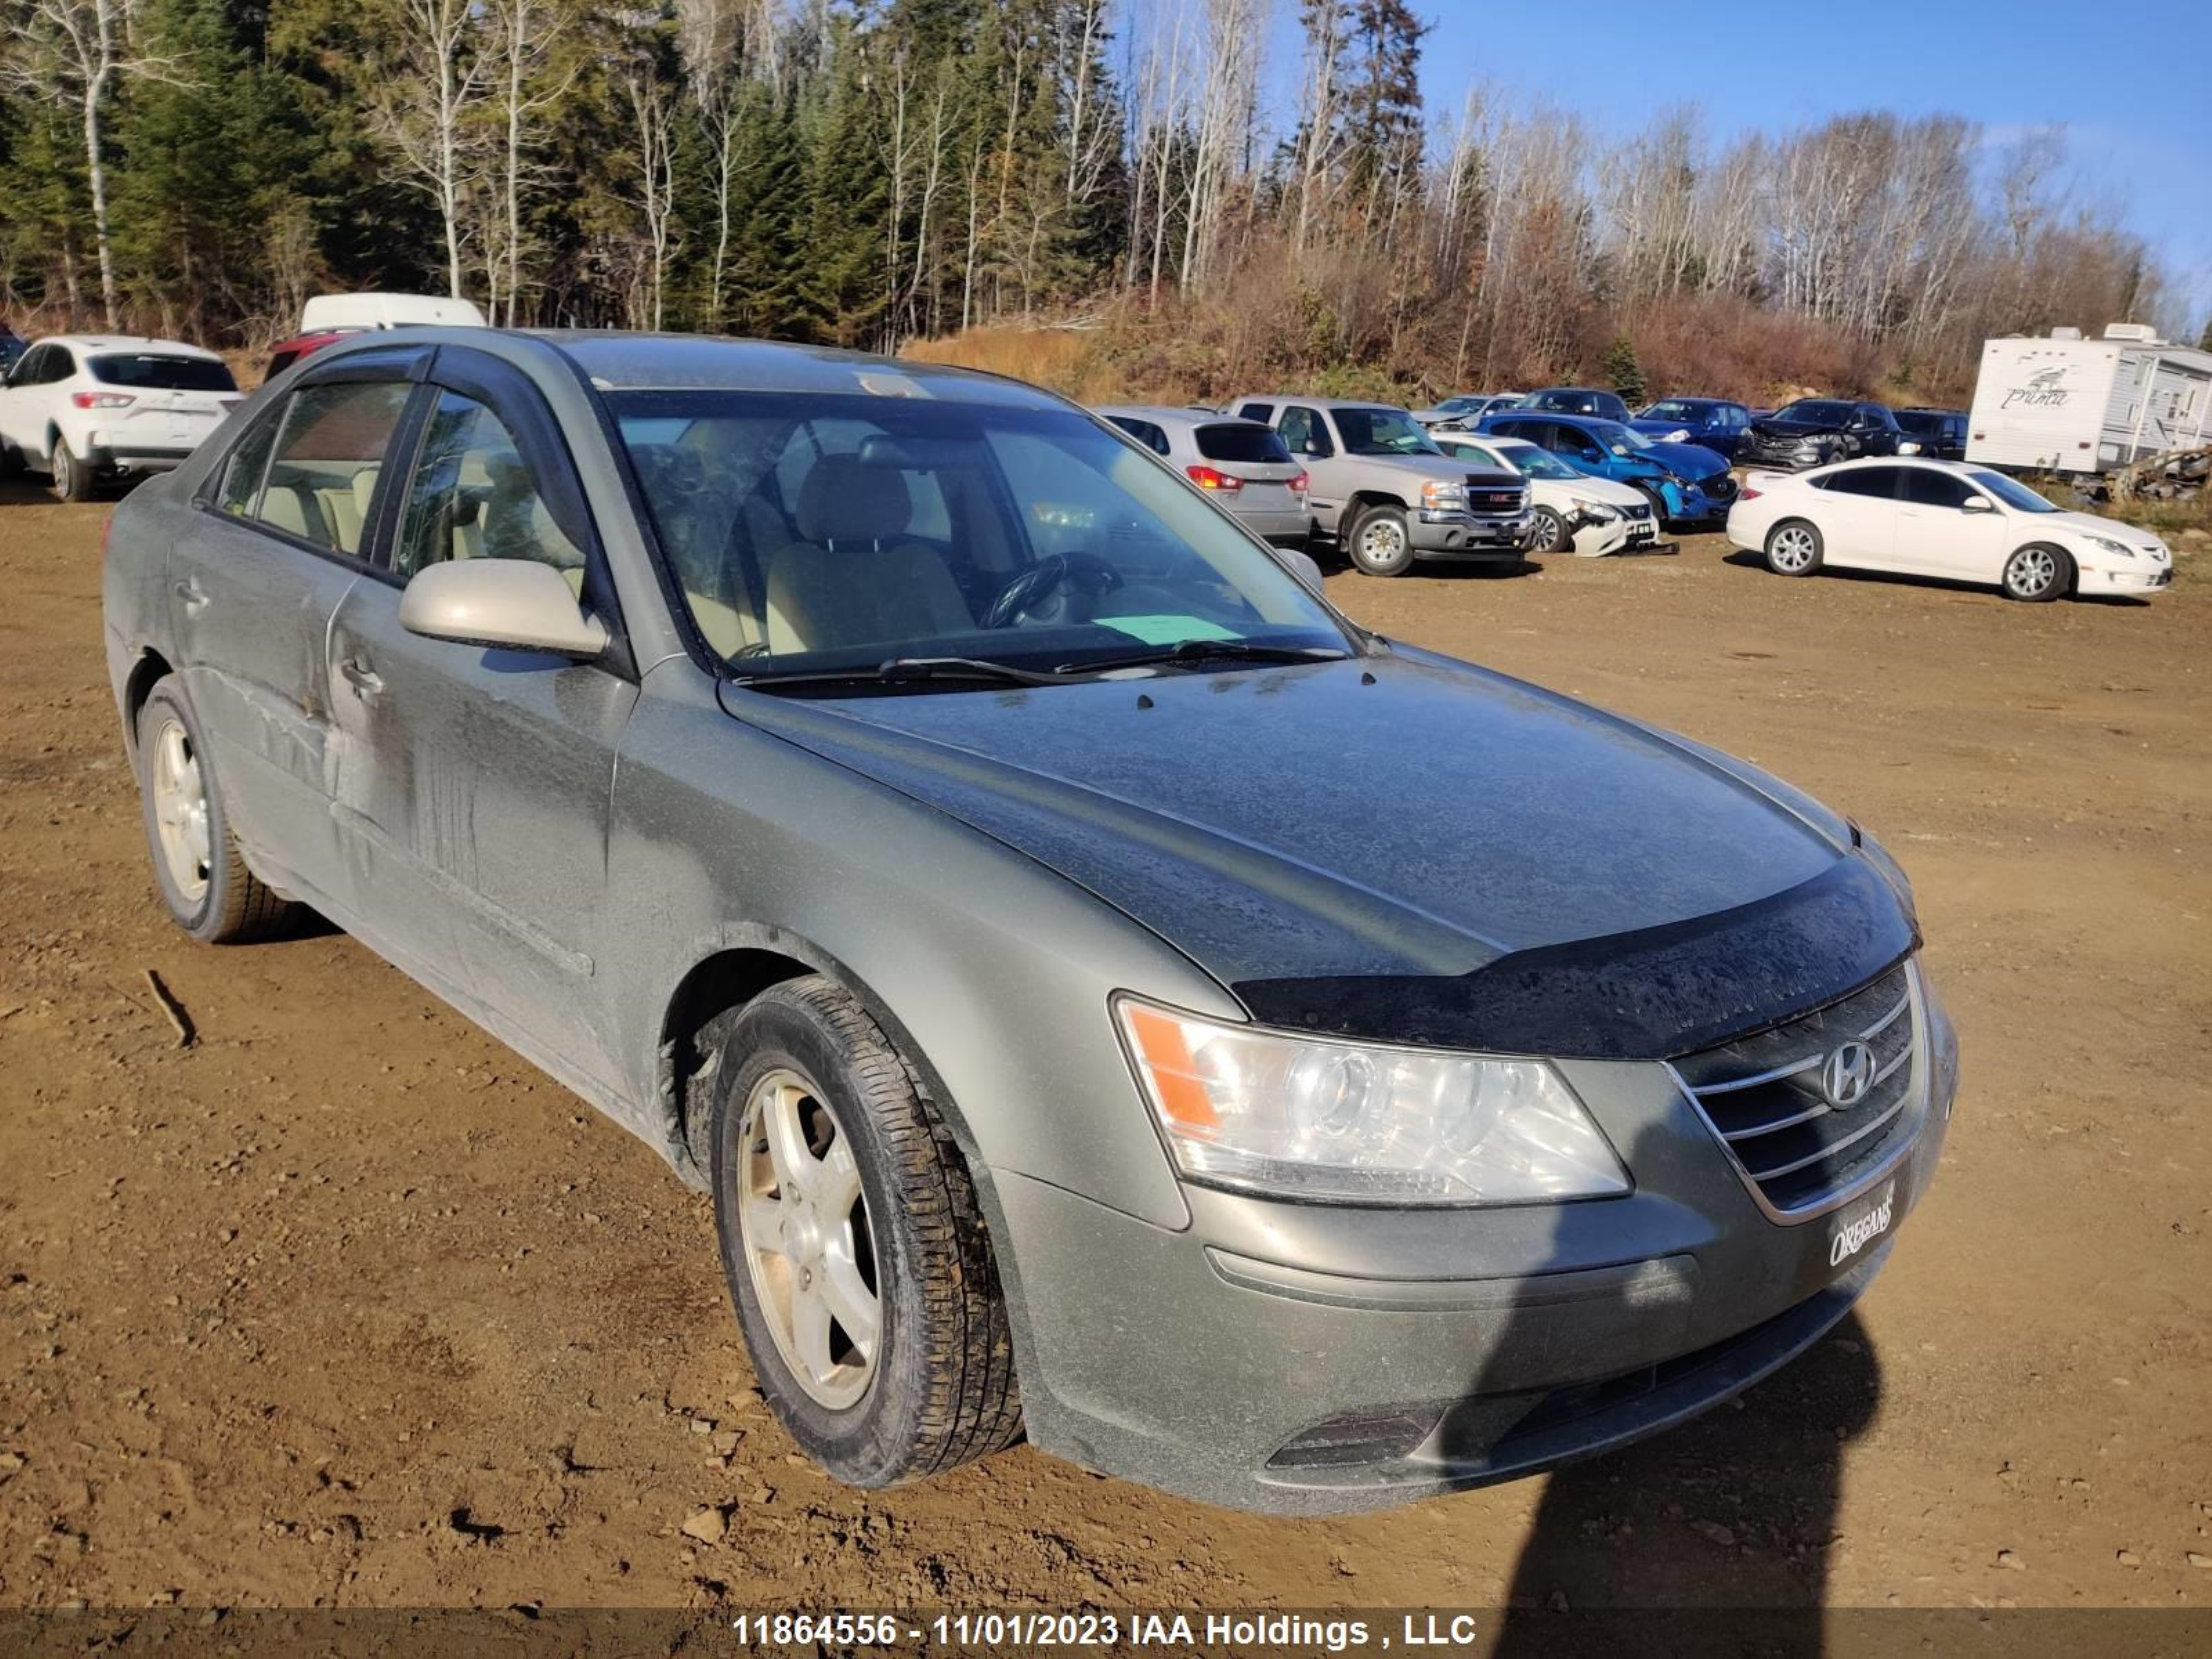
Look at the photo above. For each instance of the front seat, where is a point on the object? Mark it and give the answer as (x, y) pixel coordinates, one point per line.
(850, 579)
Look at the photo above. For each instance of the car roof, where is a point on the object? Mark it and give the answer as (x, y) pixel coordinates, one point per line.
(97, 343)
(1304, 402)
(618, 361)
(1160, 414)
(1550, 415)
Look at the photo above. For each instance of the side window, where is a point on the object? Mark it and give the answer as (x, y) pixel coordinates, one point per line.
(1306, 434)
(240, 494)
(1144, 432)
(1257, 412)
(328, 457)
(1924, 487)
(473, 495)
(30, 368)
(59, 365)
(1877, 482)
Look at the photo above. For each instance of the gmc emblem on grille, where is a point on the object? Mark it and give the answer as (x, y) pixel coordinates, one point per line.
(1847, 1075)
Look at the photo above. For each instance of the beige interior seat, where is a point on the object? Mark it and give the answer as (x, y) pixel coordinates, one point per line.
(850, 579)
(345, 507)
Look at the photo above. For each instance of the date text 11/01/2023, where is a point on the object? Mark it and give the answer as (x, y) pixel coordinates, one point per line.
(1022, 1628)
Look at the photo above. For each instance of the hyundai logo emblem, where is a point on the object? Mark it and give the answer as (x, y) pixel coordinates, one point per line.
(1847, 1075)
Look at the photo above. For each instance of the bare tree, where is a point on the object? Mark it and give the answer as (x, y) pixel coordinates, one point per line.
(650, 104)
(75, 52)
(426, 110)
(523, 34)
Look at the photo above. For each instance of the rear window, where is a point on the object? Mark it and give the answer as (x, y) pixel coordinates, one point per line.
(1242, 443)
(159, 372)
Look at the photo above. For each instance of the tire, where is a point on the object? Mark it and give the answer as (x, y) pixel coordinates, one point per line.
(937, 1389)
(1381, 541)
(202, 876)
(1794, 548)
(2037, 574)
(73, 479)
(1548, 532)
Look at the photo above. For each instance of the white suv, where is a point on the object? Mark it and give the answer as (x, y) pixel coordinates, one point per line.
(83, 408)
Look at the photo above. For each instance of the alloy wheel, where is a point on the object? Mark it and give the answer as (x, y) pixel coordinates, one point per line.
(180, 810)
(1792, 550)
(2031, 572)
(809, 1248)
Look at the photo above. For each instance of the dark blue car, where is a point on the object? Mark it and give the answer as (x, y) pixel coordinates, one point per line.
(1687, 482)
(1715, 422)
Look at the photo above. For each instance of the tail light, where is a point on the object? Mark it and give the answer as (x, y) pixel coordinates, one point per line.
(1748, 494)
(101, 399)
(1300, 484)
(1206, 477)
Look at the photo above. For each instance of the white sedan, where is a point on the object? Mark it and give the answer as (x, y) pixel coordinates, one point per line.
(1921, 517)
(1569, 510)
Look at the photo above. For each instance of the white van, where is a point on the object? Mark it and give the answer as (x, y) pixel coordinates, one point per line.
(332, 312)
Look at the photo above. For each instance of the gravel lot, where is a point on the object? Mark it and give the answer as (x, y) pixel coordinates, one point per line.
(346, 1303)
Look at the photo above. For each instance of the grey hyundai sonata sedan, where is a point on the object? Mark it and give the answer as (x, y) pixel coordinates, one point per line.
(1109, 995)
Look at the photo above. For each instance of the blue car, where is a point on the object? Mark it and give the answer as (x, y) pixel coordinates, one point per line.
(1714, 423)
(1687, 482)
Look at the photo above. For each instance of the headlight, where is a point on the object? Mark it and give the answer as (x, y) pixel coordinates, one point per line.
(1349, 1122)
(1601, 512)
(1437, 497)
(1908, 447)
(2120, 549)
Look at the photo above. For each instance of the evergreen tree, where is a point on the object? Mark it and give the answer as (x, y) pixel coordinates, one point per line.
(1623, 373)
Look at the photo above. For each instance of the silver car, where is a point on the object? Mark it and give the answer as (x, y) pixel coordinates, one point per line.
(1243, 465)
(1109, 995)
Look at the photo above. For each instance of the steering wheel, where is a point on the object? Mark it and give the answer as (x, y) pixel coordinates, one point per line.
(1032, 586)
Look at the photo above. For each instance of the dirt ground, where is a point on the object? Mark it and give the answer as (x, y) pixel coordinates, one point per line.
(348, 1304)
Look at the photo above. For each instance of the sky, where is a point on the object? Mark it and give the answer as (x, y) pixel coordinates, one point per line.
(2131, 82)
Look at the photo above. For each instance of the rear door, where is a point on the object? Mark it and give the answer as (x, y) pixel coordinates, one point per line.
(253, 585)
(474, 783)
(1858, 516)
(154, 401)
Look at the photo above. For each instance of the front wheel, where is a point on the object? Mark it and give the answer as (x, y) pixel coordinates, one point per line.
(1793, 548)
(2037, 574)
(72, 478)
(1382, 542)
(853, 1244)
(1548, 532)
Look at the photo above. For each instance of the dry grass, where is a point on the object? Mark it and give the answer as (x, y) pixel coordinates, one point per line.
(1067, 360)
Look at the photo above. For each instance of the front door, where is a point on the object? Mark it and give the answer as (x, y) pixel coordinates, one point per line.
(253, 584)
(476, 783)
(1937, 536)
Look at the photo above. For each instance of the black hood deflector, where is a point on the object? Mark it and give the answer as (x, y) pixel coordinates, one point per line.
(1661, 993)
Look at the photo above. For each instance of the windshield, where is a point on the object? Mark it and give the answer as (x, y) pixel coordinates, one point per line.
(1382, 432)
(1672, 410)
(161, 371)
(1532, 462)
(810, 532)
(2012, 493)
(1612, 434)
(1816, 411)
(1927, 424)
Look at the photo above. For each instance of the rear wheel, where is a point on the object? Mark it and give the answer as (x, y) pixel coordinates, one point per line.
(1381, 541)
(852, 1242)
(201, 873)
(1548, 532)
(1793, 548)
(72, 478)
(2037, 574)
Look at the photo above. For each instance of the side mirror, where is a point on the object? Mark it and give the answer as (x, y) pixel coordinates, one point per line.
(516, 604)
(1978, 504)
(1301, 565)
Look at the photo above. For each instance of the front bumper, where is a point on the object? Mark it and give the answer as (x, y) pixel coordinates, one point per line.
(1470, 535)
(1597, 538)
(1699, 502)
(1790, 457)
(2143, 578)
(1309, 1358)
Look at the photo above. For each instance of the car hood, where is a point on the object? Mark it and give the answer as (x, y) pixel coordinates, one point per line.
(1592, 487)
(1426, 466)
(1774, 428)
(1653, 428)
(2111, 530)
(1400, 847)
(1692, 461)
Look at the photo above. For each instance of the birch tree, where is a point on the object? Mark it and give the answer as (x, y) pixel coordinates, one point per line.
(433, 90)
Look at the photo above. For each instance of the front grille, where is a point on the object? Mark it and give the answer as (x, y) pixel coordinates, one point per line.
(1483, 496)
(1763, 1095)
(1641, 510)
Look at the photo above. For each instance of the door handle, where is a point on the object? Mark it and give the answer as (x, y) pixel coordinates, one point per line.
(359, 676)
(193, 595)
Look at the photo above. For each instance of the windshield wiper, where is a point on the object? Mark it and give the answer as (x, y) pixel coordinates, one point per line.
(895, 671)
(1195, 651)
